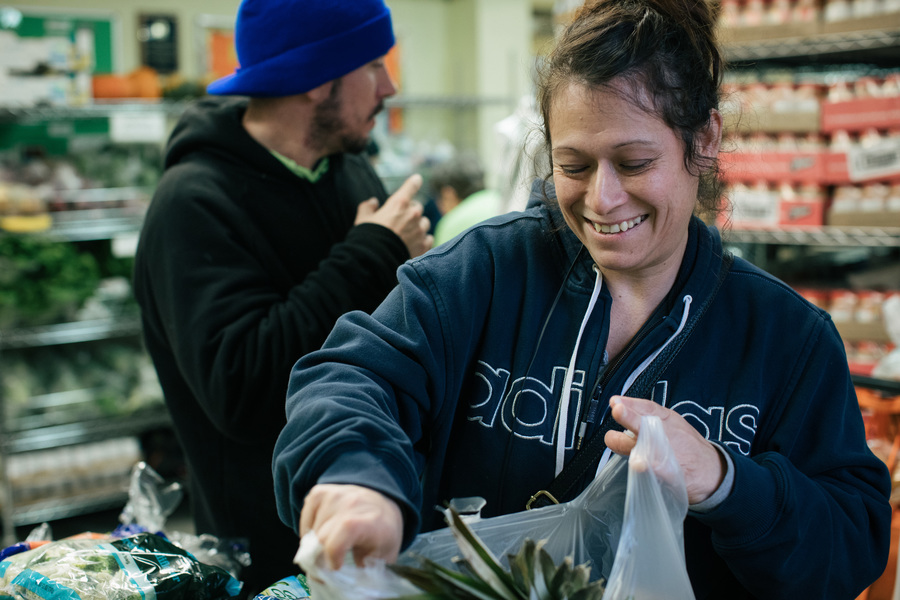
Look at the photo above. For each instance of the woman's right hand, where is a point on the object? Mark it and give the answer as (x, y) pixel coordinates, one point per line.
(352, 518)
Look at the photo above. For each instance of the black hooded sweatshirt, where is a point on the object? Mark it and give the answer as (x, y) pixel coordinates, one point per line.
(242, 268)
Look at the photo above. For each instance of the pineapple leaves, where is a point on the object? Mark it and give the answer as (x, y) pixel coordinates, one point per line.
(481, 560)
(532, 574)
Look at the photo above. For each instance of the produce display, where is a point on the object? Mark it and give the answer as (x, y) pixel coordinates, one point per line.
(53, 386)
(43, 282)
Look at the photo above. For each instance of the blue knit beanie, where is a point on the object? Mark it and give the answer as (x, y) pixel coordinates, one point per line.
(288, 47)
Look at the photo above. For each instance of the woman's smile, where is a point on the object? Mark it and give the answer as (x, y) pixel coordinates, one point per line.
(620, 227)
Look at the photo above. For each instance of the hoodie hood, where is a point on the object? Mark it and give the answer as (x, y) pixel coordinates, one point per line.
(213, 126)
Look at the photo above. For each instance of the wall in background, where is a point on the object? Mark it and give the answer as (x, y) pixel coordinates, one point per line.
(464, 63)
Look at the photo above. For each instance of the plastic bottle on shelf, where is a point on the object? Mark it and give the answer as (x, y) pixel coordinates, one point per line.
(868, 307)
(754, 13)
(874, 196)
(892, 203)
(890, 87)
(845, 199)
(837, 10)
(842, 306)
(812, 191)
(841, 142)
(779, 12)
(868, 87)
(840, 91)
(871, 138)
(805, 11)
(730, 17)
(787, 142)
(812, 142)
(866, 8)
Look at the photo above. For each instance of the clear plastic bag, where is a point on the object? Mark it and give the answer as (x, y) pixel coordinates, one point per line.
(586, 529)
(650, 560)
(151, 500)
(374, 581)
(627, 526)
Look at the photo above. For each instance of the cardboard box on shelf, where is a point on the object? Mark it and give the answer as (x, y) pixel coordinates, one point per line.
(853, 331)
(811, 29)
(863, 219)
(764, 33)
(827, 168)
(860, 114)
(794, 167)
(873, 23)
(775, 119)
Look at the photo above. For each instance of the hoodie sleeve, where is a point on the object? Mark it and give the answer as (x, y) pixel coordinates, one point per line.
(377, 404)
(366, 408)
(808, 516)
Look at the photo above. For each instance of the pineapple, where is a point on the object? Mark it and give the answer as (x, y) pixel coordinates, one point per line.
(532, 573)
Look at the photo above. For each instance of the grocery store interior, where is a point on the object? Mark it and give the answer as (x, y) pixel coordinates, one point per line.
(90, 89)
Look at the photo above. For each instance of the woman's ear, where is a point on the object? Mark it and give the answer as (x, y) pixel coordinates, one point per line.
(710, 138)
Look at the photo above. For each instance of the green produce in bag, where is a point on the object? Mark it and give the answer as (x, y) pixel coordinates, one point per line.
(140, 567)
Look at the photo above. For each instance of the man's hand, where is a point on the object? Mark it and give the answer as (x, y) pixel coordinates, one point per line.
(703, 466)
(351, 517)
(402, 214)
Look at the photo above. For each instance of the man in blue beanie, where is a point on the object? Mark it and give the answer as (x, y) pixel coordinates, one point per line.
(267, 225)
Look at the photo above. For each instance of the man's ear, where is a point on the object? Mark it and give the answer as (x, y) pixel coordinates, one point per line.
(321, 92)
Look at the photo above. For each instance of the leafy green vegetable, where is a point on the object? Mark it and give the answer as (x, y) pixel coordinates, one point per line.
(43, 281)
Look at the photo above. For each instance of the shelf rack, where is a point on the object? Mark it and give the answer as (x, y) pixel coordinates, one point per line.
(88, 111)
(70, 333)
(820, 44)
(70, 434)
(817, 236)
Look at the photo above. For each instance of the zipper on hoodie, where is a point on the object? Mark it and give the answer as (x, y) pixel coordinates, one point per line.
(589, 415)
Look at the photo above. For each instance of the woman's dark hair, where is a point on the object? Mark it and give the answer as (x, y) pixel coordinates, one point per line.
(664, 47)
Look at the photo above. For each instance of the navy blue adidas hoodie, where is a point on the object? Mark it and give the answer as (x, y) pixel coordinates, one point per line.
(451, 388)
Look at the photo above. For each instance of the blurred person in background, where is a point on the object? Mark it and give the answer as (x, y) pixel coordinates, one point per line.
(268, 224)
(458, 188)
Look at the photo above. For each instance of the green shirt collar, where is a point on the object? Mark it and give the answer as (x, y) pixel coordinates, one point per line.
(313, 175)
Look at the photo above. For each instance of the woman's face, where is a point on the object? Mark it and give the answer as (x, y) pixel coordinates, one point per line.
(621, 180)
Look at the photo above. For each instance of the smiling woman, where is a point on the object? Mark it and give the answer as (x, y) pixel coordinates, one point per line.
(623, 186)
(513, 359)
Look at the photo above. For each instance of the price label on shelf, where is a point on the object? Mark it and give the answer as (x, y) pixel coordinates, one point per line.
(873, 162)
(755, 207)
(140, 127)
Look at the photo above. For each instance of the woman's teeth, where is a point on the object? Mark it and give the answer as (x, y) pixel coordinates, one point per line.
(618, 227)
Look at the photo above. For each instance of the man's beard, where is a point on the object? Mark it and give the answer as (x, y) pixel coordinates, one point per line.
(329, 130)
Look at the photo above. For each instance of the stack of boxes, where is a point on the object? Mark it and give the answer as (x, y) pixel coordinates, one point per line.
(814, 155)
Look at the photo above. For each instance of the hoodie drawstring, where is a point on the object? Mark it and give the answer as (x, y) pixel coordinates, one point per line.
(562, 425)
(643, 366)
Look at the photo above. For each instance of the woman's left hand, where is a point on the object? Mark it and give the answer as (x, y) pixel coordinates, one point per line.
(703, 465)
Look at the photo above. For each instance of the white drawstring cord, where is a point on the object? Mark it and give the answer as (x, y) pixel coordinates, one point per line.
(562, 425)
(643, 366)
(607, 453)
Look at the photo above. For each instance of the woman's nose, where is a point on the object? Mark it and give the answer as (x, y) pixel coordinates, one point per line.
(606, 191)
